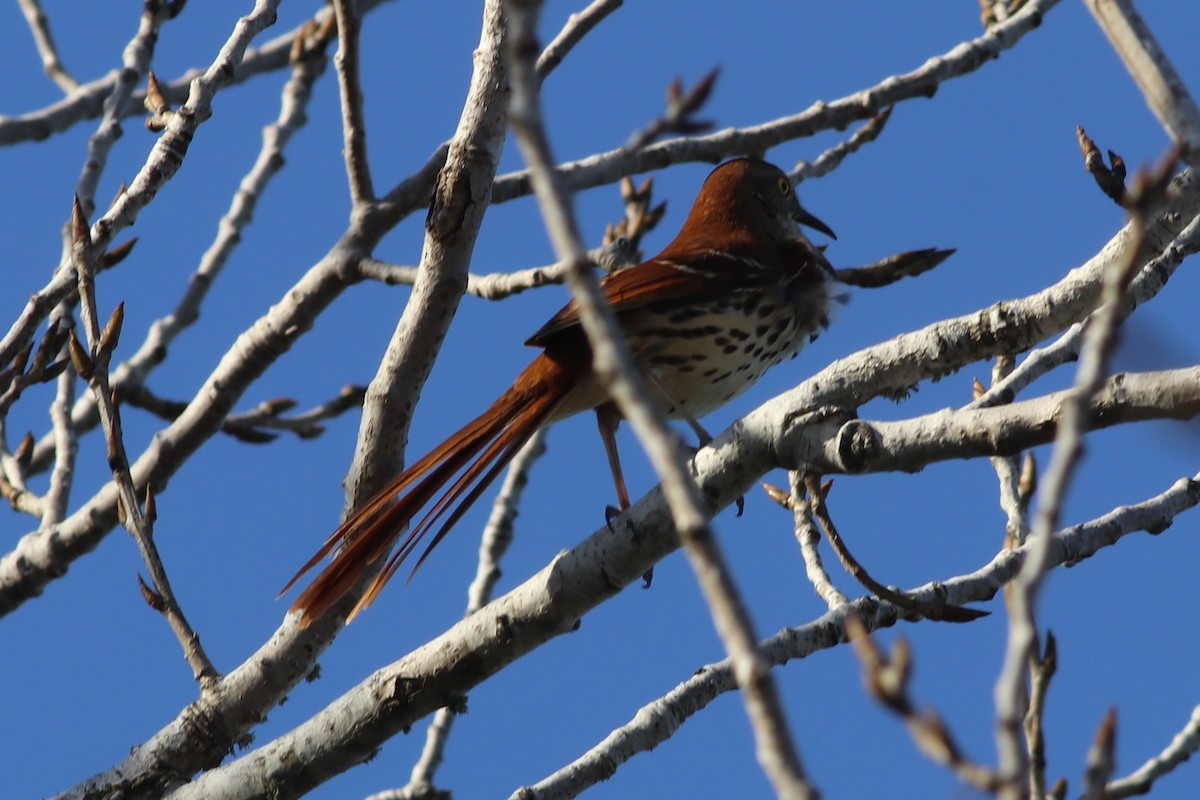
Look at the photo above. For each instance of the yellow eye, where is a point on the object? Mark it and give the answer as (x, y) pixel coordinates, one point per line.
(785, 186)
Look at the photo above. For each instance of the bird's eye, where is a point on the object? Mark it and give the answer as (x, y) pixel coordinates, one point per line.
(785, 186)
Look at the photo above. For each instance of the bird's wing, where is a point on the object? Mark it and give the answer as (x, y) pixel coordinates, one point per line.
(675, 278)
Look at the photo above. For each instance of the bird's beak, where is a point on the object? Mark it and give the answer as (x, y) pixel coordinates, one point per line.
(805, 218)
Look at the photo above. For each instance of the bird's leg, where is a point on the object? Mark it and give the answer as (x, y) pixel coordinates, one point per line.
(676, 408)
(608, 419)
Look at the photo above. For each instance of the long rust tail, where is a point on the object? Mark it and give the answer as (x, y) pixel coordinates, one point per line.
(480, 450)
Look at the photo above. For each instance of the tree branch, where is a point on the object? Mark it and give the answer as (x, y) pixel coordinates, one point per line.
(628, 389)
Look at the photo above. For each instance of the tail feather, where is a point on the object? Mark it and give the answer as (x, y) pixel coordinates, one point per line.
(481, 429)
(480, 451)
(498, 455)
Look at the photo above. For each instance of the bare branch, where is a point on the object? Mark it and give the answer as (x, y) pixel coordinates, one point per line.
(130, 376)
(499, 285)
(817, 496)
(628, 389)
(1165, 92)
(829, 160)
(254, 426)
(497, 536)
(679, 114)
(1145, 286)
(1016, 526)
(93, 366)
(1182, 747)
(922, 82)
(578, 25)
(88, 100)
(657, 721)
(860, 445)
(162, 164)
(66, 448)
(1068, 446)
(39, 26)
(354, 127)
(887, 679)
(137, 56)
(808, 537)
(1042, 668)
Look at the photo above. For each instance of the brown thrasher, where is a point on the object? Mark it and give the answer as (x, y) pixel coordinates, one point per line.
(737, 291)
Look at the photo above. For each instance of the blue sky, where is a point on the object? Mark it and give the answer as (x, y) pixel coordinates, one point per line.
(989, 166)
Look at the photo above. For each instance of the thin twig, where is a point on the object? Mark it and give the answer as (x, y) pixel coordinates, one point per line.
(88, 100)
(817, 497)
(499, 285)
(1182, 747)
(137, 57)
(829, 160)
(887, 679)
(578, 25)
(809, 537)
(614, 366)
(32, 366)
(1144, 287)
(498, 533)
(497, 536)
(658, 720)
(39, 26)
(921, 82)
(1074, 421)
(129, 378)
(354, 127)
(679, 115)
(255, 426)
(641, 217)
(93, 367)
(66, 448)
(1041, 668)
(159, 168)
(1008, 471)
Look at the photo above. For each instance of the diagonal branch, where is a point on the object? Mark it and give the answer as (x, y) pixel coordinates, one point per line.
(657, 721)
(922, 82)
(308, 64)
(579, 25)
(164, 161)
(1165, 92)
(628, 389)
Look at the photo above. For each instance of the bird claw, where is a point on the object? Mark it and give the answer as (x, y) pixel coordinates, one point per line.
(741, 505)
(611, 513)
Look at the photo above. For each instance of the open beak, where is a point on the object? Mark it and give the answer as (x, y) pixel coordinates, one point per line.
(805, 218)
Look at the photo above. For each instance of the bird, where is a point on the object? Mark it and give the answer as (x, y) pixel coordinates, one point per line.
(738, 290)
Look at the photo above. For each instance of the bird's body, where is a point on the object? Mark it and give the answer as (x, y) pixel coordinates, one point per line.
(737, 291)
